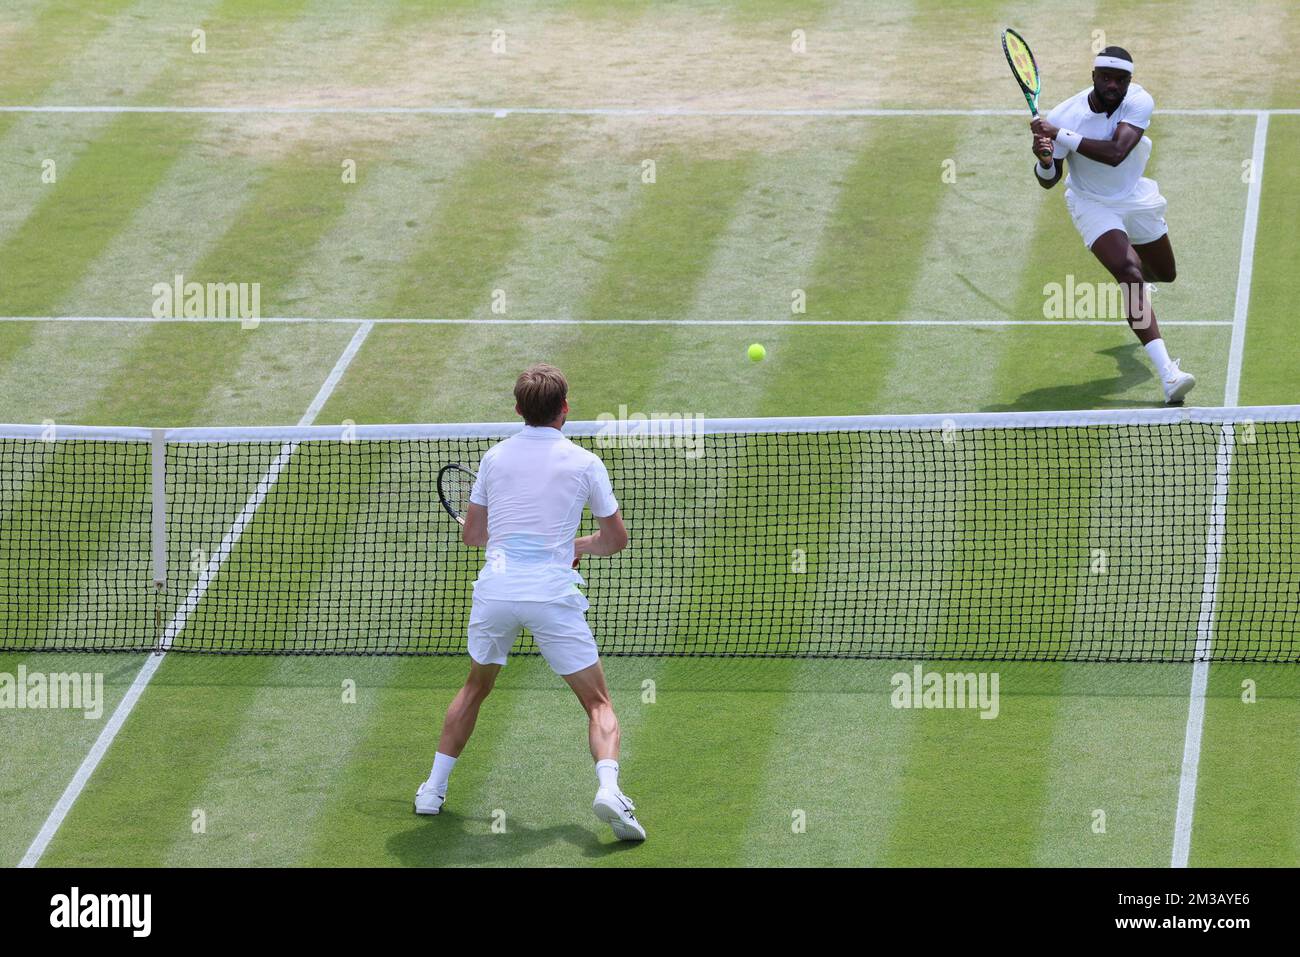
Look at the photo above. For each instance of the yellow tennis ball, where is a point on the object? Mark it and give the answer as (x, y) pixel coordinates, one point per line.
(757, 353)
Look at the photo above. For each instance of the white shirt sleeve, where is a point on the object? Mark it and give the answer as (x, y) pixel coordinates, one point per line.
(478, 494)
(600, 494)
(1136, 110)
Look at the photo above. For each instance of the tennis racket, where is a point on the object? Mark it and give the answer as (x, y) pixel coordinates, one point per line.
(454, 485)
(1025, 69)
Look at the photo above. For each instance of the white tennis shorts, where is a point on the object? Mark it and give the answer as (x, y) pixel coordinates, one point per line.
(559, 627)
(1141, 214)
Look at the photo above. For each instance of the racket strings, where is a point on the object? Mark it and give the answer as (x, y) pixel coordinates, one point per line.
(458, 490)
(454, 484)
(1022, 62)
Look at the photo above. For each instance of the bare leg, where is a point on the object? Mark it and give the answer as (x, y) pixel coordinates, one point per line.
(1116, 253)
(463, 712)
(602, 732)
(1158, 260)
(611, 805)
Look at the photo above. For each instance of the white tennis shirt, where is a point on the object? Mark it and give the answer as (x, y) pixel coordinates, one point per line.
(534, 486)
(1098, 180)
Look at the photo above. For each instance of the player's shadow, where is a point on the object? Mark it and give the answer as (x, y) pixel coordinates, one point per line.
(449, 839)
(1131, 371)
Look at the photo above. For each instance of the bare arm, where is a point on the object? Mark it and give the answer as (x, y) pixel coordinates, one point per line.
(475, 530)
(1112, 152)
(611, 538)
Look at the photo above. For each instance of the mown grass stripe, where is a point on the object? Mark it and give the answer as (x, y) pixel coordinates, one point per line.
(403, 173)
(595, 381)
(302, 198)
(318, 523)
(570, 233)
(662, 251)
(142, 799)
(542, 273)
(80, 216)
(480, 222)
(541, 776)
(653, 261)
(1002, 772)
(187, 124)
(697, 810)
(73, 536)
(1271, 366)
(120, 716)
(921, 491)
(836, 753)
(905, 580)
(1246, 813)
(958, 279)
(1198, 164)
(52, 38)
(1114, 763)
(154, 245)
(756, 266)
(988, 823)
(1256, 53)
(865, 267)
(265, 791)
(1114, 772)
(31, 139)
(43, 747)
(1055, 255)
(989, 776)
(1076, 759)
(369, 820)
(247, 46)
(192, 206)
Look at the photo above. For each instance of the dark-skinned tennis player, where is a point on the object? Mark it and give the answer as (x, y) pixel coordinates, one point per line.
(1119, 212)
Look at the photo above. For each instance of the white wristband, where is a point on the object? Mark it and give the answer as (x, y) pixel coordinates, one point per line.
(1069, 139)
(1045, 172)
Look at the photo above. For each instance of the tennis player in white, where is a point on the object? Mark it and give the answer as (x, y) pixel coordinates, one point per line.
(525, 507)
(1119, 212)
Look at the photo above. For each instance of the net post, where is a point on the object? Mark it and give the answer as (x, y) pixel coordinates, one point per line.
(158, 533)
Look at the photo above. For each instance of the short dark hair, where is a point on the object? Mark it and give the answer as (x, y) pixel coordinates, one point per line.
(540, 392)
(1119, 52)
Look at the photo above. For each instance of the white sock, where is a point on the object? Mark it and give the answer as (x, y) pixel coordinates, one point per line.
(1159, 355)
(442, 765)
(607, 774)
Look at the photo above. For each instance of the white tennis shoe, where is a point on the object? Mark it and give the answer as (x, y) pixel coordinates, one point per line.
(615, 809)
(427, 800)
(1177, 383)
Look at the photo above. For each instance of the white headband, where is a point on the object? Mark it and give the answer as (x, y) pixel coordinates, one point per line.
(1113, 63)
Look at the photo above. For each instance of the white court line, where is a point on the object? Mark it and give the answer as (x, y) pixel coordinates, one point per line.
(178, 621)
(501, 112)
(1246, 267)
(1215, 531)
(630, 322)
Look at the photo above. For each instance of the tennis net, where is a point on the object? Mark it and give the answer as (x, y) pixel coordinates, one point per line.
(1151, 535)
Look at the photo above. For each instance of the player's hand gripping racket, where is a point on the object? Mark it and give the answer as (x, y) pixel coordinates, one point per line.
(1025, 69)
(454, 485)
